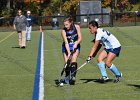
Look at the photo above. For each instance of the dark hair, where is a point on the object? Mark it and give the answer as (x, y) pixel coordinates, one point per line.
(19, 11)
(94, 23)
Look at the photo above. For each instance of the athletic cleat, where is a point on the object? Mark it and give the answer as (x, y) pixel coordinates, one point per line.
(103, 79)
(23, 47)
(72, 81)
(62, 82)
(117, 79)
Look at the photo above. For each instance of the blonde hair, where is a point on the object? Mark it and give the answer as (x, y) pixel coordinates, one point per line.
(68, 18)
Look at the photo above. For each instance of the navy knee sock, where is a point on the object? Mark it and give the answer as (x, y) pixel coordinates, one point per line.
(73, 69)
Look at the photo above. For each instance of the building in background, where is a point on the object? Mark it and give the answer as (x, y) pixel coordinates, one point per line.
(92, 10)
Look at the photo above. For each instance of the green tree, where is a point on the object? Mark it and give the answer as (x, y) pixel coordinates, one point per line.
(34, 7)
(55, 6)
(106, 3)
(70, 6)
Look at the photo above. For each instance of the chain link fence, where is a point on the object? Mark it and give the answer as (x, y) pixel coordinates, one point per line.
(56, 22)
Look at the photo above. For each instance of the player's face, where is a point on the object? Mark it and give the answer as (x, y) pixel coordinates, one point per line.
(28, 14)
(19, 13)
(92, 29)
(67, 24)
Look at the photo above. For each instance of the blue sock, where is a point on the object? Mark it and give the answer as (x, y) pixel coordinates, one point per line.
(114, 70)
(67, 79)
(102, 68)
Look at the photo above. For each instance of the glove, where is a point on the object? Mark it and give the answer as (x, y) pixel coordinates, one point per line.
(88, 59)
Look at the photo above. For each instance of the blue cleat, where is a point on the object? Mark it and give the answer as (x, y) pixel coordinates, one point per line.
(117, 79)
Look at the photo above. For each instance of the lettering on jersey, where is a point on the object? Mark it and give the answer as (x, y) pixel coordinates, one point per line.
(72, 38)
(108, 33)
(104, 39)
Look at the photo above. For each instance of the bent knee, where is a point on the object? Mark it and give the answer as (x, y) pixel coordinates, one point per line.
(108, 63)
(99, 60)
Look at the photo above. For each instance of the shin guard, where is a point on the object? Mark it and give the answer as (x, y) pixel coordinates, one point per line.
(73, 69)
(67, 77)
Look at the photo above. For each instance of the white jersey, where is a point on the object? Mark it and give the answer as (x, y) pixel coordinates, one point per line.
(108, 39)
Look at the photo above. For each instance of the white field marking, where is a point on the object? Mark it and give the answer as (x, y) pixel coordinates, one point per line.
(131, 46)
(125, 46)
(41, 85)
(17, 75)
(133, 80)
(7, 37)
(52, 50)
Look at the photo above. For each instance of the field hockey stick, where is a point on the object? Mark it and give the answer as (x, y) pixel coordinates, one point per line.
(74, 72)
(66, 65)
(68, 62)
(80, 67)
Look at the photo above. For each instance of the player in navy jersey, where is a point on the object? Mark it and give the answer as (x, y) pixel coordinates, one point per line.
(29, 25)
(111, 50)
(72, 37)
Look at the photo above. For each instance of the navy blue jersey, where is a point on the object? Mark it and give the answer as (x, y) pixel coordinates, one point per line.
(72, 36)
(29, 21)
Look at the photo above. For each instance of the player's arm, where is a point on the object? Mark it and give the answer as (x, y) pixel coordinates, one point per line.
(98, 48)
(63, 34)
(14, 26)
(14, 23)
(97, 45)
(93, 51)
(79, 34)
(94, 48)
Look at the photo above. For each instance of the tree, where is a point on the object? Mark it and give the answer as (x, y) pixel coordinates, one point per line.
(106, 3)
(124, 5)
(70, 6)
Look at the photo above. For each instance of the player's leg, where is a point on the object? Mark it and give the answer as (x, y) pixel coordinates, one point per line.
(67, 70)
(29, 33)
(111, 56)
(101, 65)
(19, 39)
(23, 34)
(74, 66)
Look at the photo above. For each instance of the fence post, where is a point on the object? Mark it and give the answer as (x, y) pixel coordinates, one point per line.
(135, 17)
(111, 19)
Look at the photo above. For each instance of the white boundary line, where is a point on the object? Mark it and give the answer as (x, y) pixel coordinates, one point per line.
(6, 37)
(41, 85)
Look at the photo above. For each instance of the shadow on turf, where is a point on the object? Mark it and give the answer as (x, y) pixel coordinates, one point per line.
(87, 81)
(57, 82)
(15, 47)
(95, 80)
(137, 86)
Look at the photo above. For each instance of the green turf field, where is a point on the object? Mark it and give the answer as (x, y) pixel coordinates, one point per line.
(17, 68)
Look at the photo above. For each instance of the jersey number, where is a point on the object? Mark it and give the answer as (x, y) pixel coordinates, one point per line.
(107, 32)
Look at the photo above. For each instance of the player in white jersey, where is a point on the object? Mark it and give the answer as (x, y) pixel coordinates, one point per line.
(111, 50)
